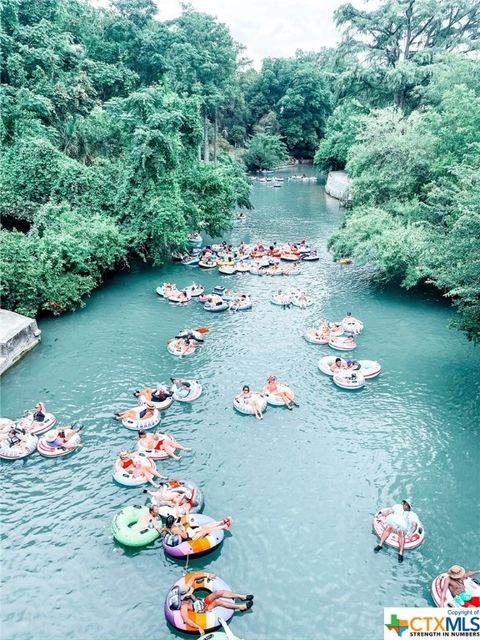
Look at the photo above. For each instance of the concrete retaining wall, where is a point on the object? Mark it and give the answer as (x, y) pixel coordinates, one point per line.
(18, 334)
(339, 186)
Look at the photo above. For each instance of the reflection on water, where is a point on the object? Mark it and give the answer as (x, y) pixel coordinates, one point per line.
(301, 486)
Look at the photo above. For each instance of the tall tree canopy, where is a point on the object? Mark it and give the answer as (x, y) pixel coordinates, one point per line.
(100, 130)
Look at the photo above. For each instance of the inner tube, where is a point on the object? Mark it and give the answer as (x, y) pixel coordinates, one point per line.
(243, 407)
(438, 584)
(347, 379)
(228, 295)
(290, 257)
(195, 392)
(207, 264)
(174, 349)
(218, 290)
(342, 343)
(370, 368)
(352, 325)
(223, 306)
(150, 420)
(412, 541)
(155, 454)
(326, 362)
(309, 336)
(207, 620)
(242, 267)
(227, 270)
(246, 306)
(35, 427)
(177, 548)
(193, 493)
(302, 304)
(49, 450)
(122, 476)
(195, 240)
(282, 299)
(177, 297)
(311, 257)
(195, 290)
(145, 397)
(335, 328)
(15, 452)
(192, 260)
(345, 261)
(273, 398)
(166, 288)
(123, 529)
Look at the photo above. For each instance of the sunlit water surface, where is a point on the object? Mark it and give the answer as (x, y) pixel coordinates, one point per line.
(301, 486)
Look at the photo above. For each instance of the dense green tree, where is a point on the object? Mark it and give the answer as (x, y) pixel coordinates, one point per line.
(398, 37)
(265, 151)
(100, 157)
(340, 134)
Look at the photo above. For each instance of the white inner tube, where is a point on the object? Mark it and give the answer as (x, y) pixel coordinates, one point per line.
(16, 452)
(195, 392)
(326, 362)
(274, 398)
(176, 350)
(244, 406)
(151, 419)
(349, 379)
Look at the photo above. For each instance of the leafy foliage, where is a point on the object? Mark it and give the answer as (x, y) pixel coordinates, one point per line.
(265, 151)
(100, 157)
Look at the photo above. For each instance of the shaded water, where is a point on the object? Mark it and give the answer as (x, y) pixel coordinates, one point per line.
(301, 486)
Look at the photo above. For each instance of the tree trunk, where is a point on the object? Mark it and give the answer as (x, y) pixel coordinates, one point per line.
(400, 99)
(206, 149)
(215, 137)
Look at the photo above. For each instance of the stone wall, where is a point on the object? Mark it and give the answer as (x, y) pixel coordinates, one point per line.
(339, 186)
(18, 334)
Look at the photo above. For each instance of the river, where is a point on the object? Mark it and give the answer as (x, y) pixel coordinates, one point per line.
(301, 486)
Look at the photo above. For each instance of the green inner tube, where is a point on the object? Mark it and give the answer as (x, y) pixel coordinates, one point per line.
(124, 532)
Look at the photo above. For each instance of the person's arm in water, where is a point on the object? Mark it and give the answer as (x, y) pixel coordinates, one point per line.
(469, 574)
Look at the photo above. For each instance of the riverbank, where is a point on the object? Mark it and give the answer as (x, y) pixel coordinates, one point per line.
(18, 335)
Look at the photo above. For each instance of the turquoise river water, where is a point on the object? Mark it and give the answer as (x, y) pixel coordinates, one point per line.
(301, 486)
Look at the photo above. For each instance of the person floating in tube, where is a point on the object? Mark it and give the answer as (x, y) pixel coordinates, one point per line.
(190, 603)
(401, 519)
(455, 583)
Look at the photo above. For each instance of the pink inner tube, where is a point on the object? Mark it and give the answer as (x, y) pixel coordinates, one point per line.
(412, 541)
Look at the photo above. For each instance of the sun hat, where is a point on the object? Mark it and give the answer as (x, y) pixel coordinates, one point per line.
(124, 453)
(51, 435)
(186, 591)
(407, 502)
(456, 571)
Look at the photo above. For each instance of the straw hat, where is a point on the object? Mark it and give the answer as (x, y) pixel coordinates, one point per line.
(456, 572)
(51, 435)
(186, 591)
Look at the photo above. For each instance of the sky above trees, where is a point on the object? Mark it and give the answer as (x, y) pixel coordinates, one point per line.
(269, 28)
